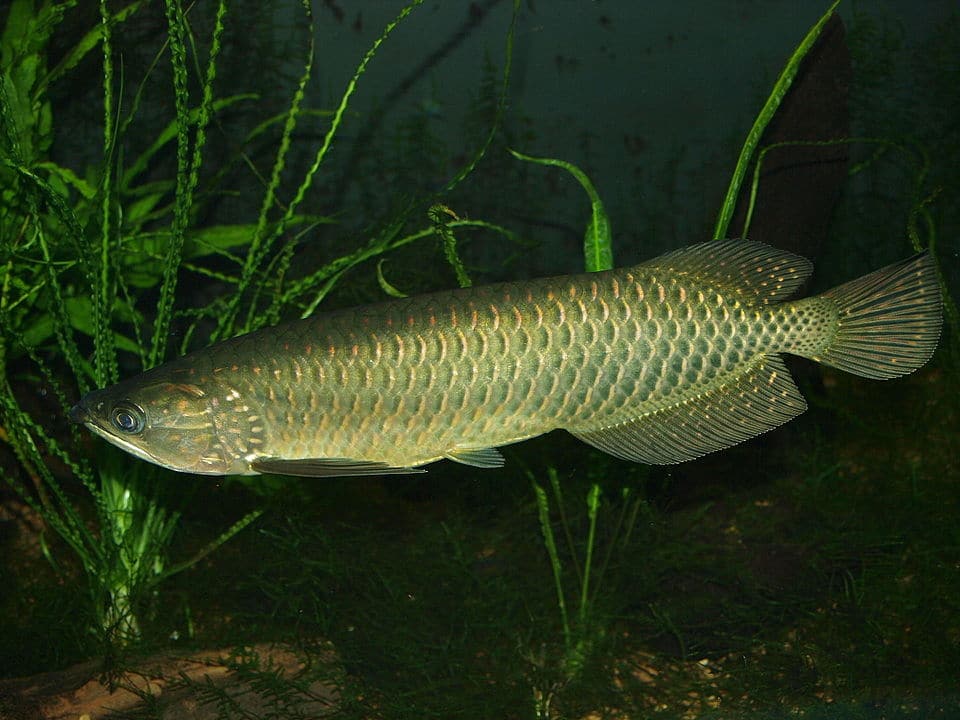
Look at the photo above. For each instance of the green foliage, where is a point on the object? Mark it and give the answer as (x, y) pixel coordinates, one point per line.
(581, 634)
(63, 257)
(598, 238)
(442, 227)
(840, 587)
(91, 262)
(749, 149)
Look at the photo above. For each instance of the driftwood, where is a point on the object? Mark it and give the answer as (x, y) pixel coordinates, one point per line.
(173, 686)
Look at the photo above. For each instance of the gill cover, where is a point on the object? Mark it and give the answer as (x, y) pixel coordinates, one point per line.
(160, 420)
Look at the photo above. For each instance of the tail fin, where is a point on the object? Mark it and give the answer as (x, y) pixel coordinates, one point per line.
(889, 320)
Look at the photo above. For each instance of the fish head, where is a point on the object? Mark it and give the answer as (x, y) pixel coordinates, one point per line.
(161, 418)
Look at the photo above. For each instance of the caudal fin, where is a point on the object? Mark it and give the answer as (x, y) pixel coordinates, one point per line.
(889, 320)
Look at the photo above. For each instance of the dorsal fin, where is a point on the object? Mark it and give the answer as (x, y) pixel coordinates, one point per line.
(750, 271)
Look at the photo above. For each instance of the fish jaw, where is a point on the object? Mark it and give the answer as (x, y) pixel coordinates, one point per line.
(176, 432)
(78, 414)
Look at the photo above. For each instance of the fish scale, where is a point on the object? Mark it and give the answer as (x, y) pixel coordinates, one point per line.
(659, 363)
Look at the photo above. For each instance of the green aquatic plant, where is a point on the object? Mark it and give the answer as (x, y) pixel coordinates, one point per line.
(92, 263)
(598, 237)
(750, 145)
(75, 253)
(582, 629)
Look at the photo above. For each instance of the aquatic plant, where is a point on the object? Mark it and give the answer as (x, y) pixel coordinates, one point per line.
(584, 629)
(491, 632)
(93, 262)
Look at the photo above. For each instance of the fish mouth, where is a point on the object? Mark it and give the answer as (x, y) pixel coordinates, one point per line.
(80, 414)
(77, 414)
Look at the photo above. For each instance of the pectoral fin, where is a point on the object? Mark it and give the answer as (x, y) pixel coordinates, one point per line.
(328, 467)
(478, 457)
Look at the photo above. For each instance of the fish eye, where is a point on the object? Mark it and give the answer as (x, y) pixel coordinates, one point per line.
(128, 418)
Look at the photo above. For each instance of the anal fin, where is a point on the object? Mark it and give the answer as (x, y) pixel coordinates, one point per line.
(761, 398)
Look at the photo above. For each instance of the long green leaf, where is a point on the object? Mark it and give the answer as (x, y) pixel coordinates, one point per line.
(187, 167)
(780, 89)
(87, 43)
(597, 241)
(104, 354)
(324, 148)
(170, 132)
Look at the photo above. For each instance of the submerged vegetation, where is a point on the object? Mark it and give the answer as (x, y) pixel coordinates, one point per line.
(93, 259)
(828, 581)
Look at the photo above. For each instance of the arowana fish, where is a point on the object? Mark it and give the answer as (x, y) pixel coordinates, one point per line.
(657, 363)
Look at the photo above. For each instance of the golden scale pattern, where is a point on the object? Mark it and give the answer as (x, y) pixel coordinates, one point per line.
(658, 363)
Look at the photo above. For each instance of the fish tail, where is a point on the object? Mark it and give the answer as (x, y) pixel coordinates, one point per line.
(888, 322)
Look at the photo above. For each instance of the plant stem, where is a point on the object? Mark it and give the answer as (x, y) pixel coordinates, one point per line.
(543, 509)
(593, 504)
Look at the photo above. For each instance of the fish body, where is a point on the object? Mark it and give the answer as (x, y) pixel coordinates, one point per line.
(657, 363)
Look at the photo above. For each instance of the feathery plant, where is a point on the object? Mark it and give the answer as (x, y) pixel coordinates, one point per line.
(91, 262)
(581, 627)
(76, 253)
